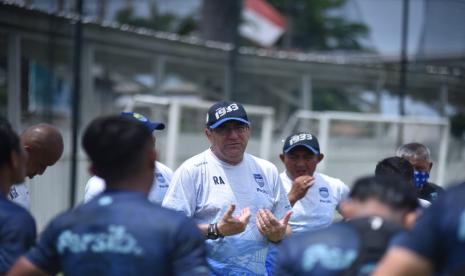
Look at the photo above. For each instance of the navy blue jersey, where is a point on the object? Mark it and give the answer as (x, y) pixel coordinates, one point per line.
(121, 233)
(337, 249)
(439, 234)
(17, 232)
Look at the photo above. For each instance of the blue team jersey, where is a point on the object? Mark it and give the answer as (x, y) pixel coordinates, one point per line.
(337, 249)
(439, 234)
(121, 233)
(17, 232)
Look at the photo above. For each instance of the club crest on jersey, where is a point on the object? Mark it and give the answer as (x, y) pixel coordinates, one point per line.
(160, 178)
(324, 193)
(259, 179)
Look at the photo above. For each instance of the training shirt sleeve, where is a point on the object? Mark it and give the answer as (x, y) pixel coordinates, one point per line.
(342, 193)
(44, 255)
(94, 186)
(189, 252)
(282, 204)
(181, 194)
(167, 172)
(17, 236)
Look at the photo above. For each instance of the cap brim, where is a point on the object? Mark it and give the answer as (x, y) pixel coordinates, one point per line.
(302, 145)
(220, 122)
(156, 126)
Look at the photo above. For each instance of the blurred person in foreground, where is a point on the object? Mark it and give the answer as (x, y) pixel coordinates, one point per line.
(44, 146)
(209, 186)
(401, 167)
(119, 232)
(377, 210)
(436, 244)
(95, 185)
(419, 157)
(18, 229)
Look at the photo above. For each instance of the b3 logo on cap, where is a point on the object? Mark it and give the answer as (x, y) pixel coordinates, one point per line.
(300, 137)
(220, 112)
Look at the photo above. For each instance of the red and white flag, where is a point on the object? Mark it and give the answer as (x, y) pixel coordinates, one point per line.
(261, 22)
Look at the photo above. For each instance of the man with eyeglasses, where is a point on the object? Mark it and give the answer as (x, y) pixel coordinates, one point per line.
(313, 195)
(236, 198)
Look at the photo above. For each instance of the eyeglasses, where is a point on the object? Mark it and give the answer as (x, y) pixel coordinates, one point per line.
(223, 131)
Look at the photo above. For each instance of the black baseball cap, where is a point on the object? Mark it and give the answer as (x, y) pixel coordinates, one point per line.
(226, 111)
(152, 125)
(303, 139)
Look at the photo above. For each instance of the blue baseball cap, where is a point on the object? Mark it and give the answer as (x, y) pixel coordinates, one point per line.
(224, 111)
(152, 125)
(302, 139)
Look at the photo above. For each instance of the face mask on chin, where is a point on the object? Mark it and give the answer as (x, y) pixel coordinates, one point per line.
(420, 178)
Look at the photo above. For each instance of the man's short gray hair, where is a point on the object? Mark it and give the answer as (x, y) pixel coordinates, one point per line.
(414, 151)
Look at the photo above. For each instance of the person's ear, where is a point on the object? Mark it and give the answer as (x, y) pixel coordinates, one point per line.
(15, 161)
(281, 156)
(430, 166)
(321, 156)
(208, 132)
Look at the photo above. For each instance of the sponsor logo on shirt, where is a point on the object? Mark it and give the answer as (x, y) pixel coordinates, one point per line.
(329, 257)
(115, 240)
(259, 179)
(201, 163)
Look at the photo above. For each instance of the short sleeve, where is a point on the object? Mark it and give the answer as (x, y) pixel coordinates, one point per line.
(282, 204)
(44, 255)
(17, 235)
(181, 194)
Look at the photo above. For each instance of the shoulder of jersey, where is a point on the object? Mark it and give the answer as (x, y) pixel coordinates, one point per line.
(260, 161)
(162, 167)
(330, 179)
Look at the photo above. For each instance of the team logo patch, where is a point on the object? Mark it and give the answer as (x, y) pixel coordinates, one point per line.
(160, 178)
(259, 179)
(324, 193)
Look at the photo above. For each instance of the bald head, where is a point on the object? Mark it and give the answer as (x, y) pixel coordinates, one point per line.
(44, 145)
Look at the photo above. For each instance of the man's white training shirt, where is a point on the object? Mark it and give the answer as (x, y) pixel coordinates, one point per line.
(203, 187)
(316, 209)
